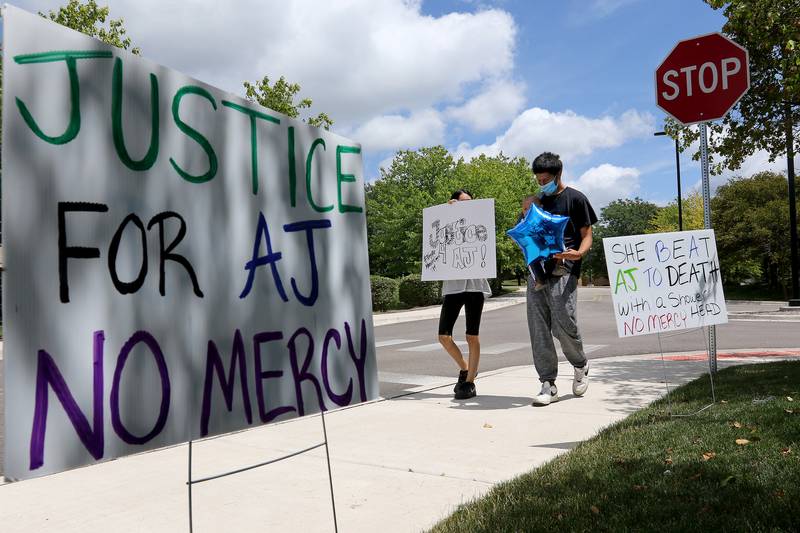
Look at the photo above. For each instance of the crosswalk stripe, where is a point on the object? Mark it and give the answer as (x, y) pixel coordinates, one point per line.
(587, 348)
(392, 342)
(493, 349)
(505, 347)
(430, 347)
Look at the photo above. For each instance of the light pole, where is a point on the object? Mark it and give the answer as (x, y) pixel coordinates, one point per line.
(678, 169)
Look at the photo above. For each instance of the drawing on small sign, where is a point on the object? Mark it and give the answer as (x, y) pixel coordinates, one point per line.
(451, 241)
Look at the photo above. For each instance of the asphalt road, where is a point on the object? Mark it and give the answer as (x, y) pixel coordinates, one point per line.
(407, 365)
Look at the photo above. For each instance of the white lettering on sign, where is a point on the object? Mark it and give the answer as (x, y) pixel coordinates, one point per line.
(735, 66)
(704, 68)
(709, 76)
(688, 72)
(667, 81)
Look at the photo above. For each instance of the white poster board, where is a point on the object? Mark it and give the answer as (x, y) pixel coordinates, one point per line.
(458, 241)
(180, 262)
(665, 281)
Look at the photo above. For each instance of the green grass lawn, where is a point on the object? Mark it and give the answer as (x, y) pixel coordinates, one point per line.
(733, 467)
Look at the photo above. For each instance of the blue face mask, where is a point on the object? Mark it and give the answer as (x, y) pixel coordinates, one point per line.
(550, 188)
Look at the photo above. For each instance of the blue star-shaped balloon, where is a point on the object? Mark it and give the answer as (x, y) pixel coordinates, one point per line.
(540, 234)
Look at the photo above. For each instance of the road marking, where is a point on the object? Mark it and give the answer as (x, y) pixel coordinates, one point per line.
(503, 348)
(392, 342)
(494, 349)
(413, 379)
(587, 348)
(431, 347)
(734, 355)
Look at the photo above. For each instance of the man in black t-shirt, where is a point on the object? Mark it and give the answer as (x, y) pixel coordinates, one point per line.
(552, 309)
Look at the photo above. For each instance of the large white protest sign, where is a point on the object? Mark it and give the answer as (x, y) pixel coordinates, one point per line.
(180, 262)
(458, 241)
(665, 281)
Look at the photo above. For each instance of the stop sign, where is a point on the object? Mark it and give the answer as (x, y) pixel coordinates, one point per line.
(702, 78)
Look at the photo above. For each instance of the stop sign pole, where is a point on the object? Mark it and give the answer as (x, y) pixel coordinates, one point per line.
(700, 80)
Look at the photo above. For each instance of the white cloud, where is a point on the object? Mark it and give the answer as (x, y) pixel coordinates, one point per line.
(605, 183)
(497, 104)
(392, 132)
(566, 133)
(355, 58)
(758, 162)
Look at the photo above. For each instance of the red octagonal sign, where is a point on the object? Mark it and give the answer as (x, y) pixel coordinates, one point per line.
(702, 78)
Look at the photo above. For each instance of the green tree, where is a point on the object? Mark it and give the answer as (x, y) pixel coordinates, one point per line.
(280, 97)
(425, 177)
(414, 180)
(750, 216)
(766, 116)
(627, 217)
(619, 218)
(89, 18)
(666, 219)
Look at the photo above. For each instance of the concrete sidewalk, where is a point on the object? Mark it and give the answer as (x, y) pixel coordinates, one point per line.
(398, 465)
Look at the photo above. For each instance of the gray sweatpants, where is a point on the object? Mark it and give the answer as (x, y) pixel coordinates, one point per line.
(553, 312)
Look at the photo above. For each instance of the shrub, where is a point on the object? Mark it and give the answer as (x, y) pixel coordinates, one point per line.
(414, 292)
(385, 293)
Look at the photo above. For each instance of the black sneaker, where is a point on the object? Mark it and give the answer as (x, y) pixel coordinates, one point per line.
(465, 391)
(462, 377)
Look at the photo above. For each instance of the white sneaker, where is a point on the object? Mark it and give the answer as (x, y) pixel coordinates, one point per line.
(581, 381)
(548, 395)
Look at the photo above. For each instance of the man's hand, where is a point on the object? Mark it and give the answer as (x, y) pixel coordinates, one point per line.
(569, 254)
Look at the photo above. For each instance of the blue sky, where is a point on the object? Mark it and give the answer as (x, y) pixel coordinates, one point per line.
(517, 76)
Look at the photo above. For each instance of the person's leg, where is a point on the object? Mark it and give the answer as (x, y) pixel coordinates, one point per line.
(451, 307)
(473, 309)
(544, 351)
(564, 312)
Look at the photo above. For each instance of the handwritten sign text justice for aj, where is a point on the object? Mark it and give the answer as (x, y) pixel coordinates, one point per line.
(458, 241)
(665, 281)
(180, 262)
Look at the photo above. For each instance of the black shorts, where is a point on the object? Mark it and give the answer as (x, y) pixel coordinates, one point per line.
(472, 302)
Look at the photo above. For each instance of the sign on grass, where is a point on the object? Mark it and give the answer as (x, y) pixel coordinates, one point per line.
(180, 262)
(665, 281)
(458, 241)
